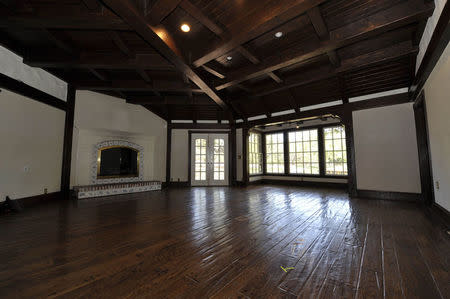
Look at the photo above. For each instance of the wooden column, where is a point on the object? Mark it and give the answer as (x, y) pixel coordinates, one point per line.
(426, 176)
(245, 155)
(68, 137)
(347, 121)
(169, 152)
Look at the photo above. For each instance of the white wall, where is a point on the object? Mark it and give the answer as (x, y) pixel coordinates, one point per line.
(31, 137)
(386, 149)
(100, 118)
(437, 99)
(179, 169)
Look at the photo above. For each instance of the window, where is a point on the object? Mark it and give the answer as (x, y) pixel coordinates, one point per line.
(275, 153)
(304, 152)
(254, 154)
(335, 151)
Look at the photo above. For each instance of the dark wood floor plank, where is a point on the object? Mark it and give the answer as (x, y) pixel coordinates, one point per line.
(225, 242)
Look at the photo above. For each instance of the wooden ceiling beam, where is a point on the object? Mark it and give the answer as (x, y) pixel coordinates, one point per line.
(143, 75)
(118, 41)
(92, 5)
(275, 77)
(75, 22)
(394, 17)
(101, 75)
(128, 12)
(321, 29)
(258, 22)
(61, 42)
(171, 100)
(213, 72)
(196, 13)
(100, 61)
(160, 10)
(385, 55)
(135, 85)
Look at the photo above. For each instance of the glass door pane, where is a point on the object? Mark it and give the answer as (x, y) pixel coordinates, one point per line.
(200, 160)
(219, 159)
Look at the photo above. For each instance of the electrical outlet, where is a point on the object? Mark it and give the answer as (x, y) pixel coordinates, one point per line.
(26, 168)
(45, 191)
(437, 185)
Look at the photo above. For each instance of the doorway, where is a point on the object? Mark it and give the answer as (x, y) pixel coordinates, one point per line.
(209, 164)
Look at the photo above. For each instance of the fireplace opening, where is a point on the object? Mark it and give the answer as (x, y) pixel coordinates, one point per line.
(117, 162)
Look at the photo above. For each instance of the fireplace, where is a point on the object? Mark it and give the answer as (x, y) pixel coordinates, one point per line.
(117, 162)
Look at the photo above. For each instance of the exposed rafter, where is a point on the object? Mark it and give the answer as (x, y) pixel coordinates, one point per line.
(257, 23)
(128, 12)
(394, 17)
(380, 56)
(100, 61)
(136, 85)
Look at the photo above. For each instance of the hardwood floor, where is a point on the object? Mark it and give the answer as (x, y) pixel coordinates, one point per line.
(255, 242)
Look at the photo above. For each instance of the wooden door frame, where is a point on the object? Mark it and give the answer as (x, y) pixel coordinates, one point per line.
(230, 153)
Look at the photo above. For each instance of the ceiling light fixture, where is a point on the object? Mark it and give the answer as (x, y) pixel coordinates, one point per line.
(278, 34)
(185, 28)
(229, 58)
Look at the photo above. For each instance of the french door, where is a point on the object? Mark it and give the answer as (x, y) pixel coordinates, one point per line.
(209, 159)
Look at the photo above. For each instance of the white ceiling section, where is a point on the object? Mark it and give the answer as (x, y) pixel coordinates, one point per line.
(12, 66)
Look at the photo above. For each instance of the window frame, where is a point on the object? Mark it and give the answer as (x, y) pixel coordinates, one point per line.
(321, 140)
(303, 152)
(260, 152)
(324, 152)
(277, 153)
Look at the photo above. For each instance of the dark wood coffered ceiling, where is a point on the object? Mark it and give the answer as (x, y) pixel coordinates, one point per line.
(330, 50)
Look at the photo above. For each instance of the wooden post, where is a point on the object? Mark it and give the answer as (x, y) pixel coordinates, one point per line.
(169, 152)
(347, 120)
(68, 137)
(245, 155)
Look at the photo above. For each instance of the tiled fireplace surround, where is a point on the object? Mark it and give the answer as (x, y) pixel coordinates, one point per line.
(113, 186)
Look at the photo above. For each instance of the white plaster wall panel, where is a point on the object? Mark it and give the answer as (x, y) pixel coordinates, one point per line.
(437, 98)
(31, 143)
(386, 149)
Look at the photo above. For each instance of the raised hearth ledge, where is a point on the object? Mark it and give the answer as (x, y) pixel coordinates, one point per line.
(115, 189)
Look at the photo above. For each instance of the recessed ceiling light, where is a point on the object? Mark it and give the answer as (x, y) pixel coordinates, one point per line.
(229, 58)
(185, 28)
(278, 34)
